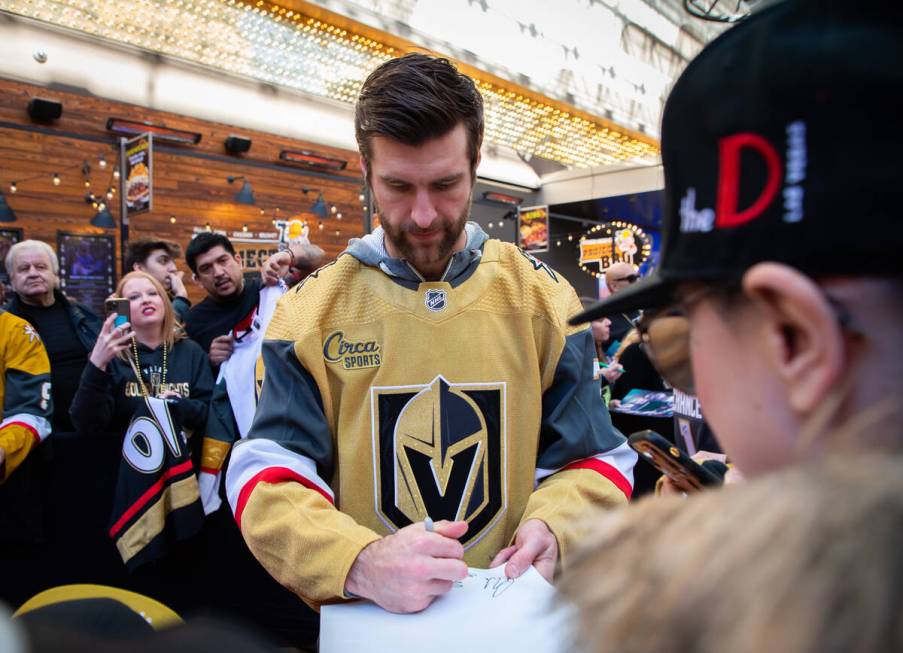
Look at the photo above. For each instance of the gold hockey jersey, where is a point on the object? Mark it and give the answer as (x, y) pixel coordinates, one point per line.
(25, 402)
(383, 404)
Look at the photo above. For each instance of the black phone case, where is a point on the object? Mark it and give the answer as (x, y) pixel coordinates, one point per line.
(684, 472)
(114, 306)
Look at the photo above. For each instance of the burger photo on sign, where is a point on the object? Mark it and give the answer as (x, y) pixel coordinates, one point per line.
(534, 233)
(137, 185)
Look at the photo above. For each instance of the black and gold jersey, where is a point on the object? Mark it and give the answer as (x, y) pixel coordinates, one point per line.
(25, 399)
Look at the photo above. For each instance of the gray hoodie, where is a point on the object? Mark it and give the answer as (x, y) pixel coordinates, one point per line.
(371, 250)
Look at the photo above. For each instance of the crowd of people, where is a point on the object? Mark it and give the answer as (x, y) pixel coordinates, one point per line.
(60, 502)
(360, 429)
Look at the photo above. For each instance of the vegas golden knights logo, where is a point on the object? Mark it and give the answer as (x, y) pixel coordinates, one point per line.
(440, 450)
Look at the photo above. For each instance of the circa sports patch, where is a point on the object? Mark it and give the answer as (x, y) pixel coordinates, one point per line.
(439, 451)
(350, 353)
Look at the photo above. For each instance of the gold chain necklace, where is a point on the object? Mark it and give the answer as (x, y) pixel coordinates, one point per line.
(138, 367)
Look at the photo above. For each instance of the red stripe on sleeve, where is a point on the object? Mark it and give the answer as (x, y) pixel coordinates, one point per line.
(273, 475)
(151, 492)
(608, 471)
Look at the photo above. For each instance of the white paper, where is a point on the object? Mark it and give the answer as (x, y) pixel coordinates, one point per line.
(484, 612)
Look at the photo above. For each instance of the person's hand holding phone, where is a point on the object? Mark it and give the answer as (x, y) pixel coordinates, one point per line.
(732, 475)
(112, 340)
(685, 474)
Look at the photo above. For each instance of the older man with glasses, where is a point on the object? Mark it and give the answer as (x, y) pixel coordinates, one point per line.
(781, 313)
(617, 278)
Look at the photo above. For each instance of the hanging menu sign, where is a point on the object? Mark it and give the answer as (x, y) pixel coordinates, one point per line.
(533, 228)
(136, 175)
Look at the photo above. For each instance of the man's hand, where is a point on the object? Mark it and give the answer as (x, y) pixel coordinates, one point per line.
(406, 571)
(534, 545)
(176, 285)
(220, 349)
(275, 267)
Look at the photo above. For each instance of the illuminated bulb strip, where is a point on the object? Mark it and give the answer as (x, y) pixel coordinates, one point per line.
(281, 46)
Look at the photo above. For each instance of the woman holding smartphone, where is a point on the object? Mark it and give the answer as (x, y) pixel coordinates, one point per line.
(146, 357)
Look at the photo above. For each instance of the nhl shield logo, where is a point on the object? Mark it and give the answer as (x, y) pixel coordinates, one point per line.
(440, 450)
(436, 300)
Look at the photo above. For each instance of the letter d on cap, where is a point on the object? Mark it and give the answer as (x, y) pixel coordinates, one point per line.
(729, 148)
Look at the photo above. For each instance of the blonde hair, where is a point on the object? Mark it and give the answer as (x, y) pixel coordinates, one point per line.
(171, 330)
(631, 337)
(802, 561)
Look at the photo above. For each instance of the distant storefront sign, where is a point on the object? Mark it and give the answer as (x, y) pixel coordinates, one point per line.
(613, 242)
(255, 247)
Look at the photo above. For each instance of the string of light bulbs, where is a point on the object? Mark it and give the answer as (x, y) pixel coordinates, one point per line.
(56, 178)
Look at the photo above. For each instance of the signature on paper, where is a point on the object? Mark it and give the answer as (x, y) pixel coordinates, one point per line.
(495, 586)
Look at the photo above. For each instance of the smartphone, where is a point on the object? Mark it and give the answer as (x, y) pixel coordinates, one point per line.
(686, 474)
(119, 306)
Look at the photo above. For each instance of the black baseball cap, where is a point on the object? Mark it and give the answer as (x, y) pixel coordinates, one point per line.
(780, 142)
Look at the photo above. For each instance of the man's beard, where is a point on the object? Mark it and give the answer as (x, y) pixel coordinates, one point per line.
(419, 255)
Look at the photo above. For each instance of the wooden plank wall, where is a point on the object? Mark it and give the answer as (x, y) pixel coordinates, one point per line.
(189, 181)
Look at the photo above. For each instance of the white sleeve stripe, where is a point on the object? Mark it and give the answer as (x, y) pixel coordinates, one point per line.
(250, 457)
(39, 425)
(622, 458)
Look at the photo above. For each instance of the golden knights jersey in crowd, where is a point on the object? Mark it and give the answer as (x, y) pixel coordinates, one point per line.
(25, 403)
(234, 399)
(387, 399)
(155, 501)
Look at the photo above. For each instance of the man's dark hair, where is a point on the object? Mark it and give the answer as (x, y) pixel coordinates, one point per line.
(414, 99)
(139, 250)
(203, 243)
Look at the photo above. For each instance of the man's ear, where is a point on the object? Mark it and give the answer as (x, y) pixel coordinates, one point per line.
(805, 343)
(197, 282)
(365, 168)
(137, 267)
(238, 260)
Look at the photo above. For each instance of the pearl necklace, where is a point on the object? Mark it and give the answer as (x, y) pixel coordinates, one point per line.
(138, 367)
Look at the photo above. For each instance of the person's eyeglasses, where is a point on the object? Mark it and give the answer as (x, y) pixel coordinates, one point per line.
(665, 335)
(630, 278)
